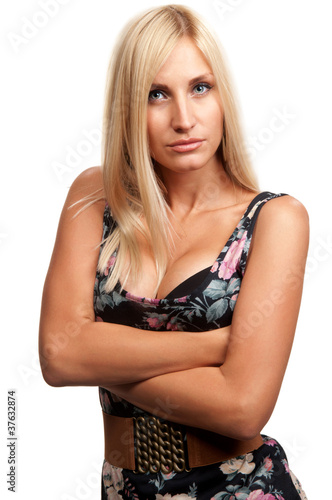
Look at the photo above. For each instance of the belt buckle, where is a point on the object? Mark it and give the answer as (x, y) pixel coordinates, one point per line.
(159, 446)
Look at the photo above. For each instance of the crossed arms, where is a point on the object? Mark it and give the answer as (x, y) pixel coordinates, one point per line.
(225, 380)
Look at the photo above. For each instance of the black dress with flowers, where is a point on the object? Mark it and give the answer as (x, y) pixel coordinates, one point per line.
(207, 303)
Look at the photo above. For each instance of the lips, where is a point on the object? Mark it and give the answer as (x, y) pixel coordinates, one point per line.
(185, 145)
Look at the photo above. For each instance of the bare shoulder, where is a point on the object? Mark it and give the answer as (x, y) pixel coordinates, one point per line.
(87, 183)
(284, 212)
(282, 226)
(82, 213)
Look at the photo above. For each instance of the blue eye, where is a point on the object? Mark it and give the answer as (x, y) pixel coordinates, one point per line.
(202, 88)
(155, 95)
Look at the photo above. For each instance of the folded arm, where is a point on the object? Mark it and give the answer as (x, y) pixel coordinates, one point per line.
(76, 350)
(237, 399)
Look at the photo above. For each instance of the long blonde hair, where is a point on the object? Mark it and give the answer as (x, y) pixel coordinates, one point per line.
(131, 185)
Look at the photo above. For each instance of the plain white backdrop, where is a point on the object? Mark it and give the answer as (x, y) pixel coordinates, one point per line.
(54, 59)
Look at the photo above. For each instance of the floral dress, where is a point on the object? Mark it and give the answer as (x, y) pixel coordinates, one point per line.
(262, 474)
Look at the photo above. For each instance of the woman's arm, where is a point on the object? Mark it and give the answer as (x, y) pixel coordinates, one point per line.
(76, 350)
(237, 399)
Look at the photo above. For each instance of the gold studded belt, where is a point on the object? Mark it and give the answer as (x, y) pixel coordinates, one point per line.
(149, 444)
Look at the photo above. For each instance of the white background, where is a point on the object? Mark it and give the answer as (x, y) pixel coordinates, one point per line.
(53, 77)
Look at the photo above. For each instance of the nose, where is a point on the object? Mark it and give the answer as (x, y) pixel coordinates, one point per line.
(183, 115)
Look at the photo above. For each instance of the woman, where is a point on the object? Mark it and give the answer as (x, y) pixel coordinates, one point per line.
(188, 350)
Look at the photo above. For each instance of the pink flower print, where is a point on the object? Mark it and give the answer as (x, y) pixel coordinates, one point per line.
(113, 480)
(268, 464)
(153, 322)
(110, 263)
(270, 442)
(214, 267)
(182, 299)
(107, 469)
(157, 320)
(98, 318)
(260, 495)
(230, 263)
(117, 478)
(169, 476)
(153, 302)
(256, 495)
(265, 468)
(172, 325)
(132, 297)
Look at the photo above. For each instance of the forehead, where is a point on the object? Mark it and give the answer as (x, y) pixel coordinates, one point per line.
(186, 59)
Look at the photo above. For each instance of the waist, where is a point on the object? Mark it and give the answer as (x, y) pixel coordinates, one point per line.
(149, 444)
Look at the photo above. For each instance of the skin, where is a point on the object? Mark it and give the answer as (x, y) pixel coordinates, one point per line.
(185, 103)
(227, 380)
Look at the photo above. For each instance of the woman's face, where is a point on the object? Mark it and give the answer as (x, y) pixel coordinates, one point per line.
(185, 116)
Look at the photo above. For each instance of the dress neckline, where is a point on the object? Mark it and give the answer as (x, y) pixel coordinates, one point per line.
(137, 298)
(189, 283)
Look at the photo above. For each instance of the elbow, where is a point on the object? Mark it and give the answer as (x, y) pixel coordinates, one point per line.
(244, 423)
(54, 367)
(52, 379)
(249, 421)
(52, 374)
(58, 357)
(248, 430)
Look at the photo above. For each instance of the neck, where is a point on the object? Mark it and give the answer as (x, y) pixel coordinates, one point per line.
(197, 191)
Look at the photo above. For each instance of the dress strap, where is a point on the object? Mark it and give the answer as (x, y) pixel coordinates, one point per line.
(250, 221)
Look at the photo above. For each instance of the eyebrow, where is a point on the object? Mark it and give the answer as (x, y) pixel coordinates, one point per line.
(197, 79)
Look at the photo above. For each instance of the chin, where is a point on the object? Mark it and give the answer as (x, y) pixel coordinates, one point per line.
(185, 168)
(185, 165)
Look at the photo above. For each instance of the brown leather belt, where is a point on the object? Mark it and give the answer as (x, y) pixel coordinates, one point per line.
(149, 444)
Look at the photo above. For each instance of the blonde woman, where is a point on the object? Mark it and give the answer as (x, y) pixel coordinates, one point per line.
(177, 282)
